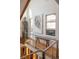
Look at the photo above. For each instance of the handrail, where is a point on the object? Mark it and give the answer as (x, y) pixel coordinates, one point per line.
(39, 50)
(43, 51)
(49, 46)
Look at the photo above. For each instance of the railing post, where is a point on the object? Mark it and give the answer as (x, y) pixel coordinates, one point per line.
(57, 50)
(47, 43)
(43, 55)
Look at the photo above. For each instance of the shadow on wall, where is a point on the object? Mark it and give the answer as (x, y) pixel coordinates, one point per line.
(57, 1)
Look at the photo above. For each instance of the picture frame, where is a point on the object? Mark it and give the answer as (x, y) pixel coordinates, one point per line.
(39, 22)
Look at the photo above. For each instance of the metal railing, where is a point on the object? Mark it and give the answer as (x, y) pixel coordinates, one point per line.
(44, 51)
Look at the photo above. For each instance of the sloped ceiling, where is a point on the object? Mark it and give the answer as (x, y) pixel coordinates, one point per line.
(23, 4)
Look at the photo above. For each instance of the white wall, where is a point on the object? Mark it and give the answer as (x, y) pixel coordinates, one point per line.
(39, 7)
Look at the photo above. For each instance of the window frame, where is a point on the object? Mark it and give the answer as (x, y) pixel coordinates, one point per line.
(49, 22)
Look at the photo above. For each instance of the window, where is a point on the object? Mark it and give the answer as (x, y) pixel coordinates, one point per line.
(51, 24)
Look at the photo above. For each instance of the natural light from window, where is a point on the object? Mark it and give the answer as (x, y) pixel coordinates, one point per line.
(51, 21)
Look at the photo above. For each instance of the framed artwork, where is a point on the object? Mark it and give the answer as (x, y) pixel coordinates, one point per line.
(39, 22)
